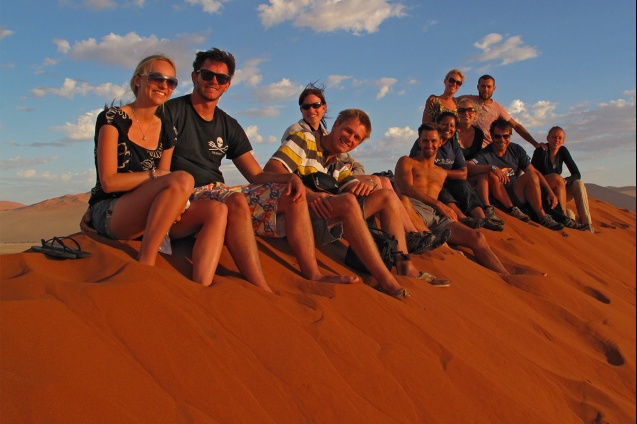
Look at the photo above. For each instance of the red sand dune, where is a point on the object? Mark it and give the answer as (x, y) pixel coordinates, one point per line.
(107, 340)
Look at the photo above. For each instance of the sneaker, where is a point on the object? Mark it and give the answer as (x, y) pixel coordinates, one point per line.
(493, 225)
(472, 222)
(517, 213)
(570, 223)
(420, 242)
(548, 222)
(489, 212)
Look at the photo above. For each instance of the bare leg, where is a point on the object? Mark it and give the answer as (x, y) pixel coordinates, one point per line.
(207, 218)
(242, 243)
(498, 190)
(360, 239)
(151, 209)
(298, 228)
(475, 240)
(527, 189)
(387, 205)
(408, 223)
(558, 185)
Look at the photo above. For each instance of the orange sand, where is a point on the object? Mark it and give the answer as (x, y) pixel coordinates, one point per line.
(107, 340)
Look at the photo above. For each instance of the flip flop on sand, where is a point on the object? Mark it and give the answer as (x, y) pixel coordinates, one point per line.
(431, 279)
(56, 248)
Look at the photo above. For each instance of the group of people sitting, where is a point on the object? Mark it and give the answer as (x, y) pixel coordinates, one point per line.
(159, 178)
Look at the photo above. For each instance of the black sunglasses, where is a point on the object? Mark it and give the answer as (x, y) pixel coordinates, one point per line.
(307, 106)
(207, 75)
(466, 109)
(455, 81)
(158, 78)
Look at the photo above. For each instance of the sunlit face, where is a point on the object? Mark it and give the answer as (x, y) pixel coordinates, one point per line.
(311, 113)
(429, 143)
(500, 140)
(210, 90)
(157, 90)
(447, 127)
(486, 87)
(555, 139)
(346, 136)
(453, 83)
(467, 114)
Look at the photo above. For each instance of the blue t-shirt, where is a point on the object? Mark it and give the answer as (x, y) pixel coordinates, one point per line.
(450, 155)
(513, 160)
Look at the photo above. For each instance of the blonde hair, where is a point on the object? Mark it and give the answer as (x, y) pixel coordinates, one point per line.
(455, 71)
(145, 66)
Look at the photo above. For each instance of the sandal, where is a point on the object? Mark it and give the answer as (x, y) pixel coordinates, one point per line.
(56, 248)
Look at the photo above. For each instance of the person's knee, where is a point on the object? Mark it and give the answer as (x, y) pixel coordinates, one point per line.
(237, 205)
(182, 182)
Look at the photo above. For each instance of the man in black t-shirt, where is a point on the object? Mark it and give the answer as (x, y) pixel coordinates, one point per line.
(206, 134)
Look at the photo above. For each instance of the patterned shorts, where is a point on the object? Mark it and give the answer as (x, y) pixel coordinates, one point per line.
(263, 201)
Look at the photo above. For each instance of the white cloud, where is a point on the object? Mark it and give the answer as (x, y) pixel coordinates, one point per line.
(208, 6)
(82, 129)
(5, 32)
(127, 50)
(356, 16)
(384, 85)
(253, 134)
(72, 87)
(248, 74)
(282, 90)
(504, 51)
(334, 81)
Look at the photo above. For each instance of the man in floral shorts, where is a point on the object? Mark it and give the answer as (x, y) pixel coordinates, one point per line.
(274, 203)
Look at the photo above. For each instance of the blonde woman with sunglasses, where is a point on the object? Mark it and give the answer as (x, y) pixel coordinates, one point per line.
(446, 102)
(136, 194)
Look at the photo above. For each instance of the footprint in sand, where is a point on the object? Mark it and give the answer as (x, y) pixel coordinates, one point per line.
(596, 294)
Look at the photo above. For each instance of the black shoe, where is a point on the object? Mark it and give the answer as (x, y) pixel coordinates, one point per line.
(419, 242)
(489, 213)
(517, 213)
(472, 222)
(441, 239)
(548, 222)
(570, 223)
(493, 225)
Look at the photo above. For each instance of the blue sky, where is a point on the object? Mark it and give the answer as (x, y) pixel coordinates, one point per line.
(561, 63)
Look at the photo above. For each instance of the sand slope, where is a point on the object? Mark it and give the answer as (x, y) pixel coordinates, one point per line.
(105, 339)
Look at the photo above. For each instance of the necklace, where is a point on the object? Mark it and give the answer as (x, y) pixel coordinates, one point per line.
(140, 125)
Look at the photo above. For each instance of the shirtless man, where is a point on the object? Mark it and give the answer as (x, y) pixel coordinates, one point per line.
(419, 181)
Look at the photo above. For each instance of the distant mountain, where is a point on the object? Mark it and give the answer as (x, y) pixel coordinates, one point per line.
(620, 197)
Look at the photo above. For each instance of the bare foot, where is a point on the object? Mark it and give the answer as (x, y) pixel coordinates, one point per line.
(338, 279)
(407, 269)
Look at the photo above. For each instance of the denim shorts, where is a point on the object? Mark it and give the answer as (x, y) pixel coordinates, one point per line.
(101, 213)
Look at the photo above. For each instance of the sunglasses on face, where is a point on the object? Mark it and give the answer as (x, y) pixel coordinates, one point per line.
(466, 109)
(307, 106)
(454, 81)
(207, 75)
(158, 78)
(501, 136)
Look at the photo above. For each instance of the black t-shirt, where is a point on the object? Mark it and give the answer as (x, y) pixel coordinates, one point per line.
(202, 144)
(130, 156)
